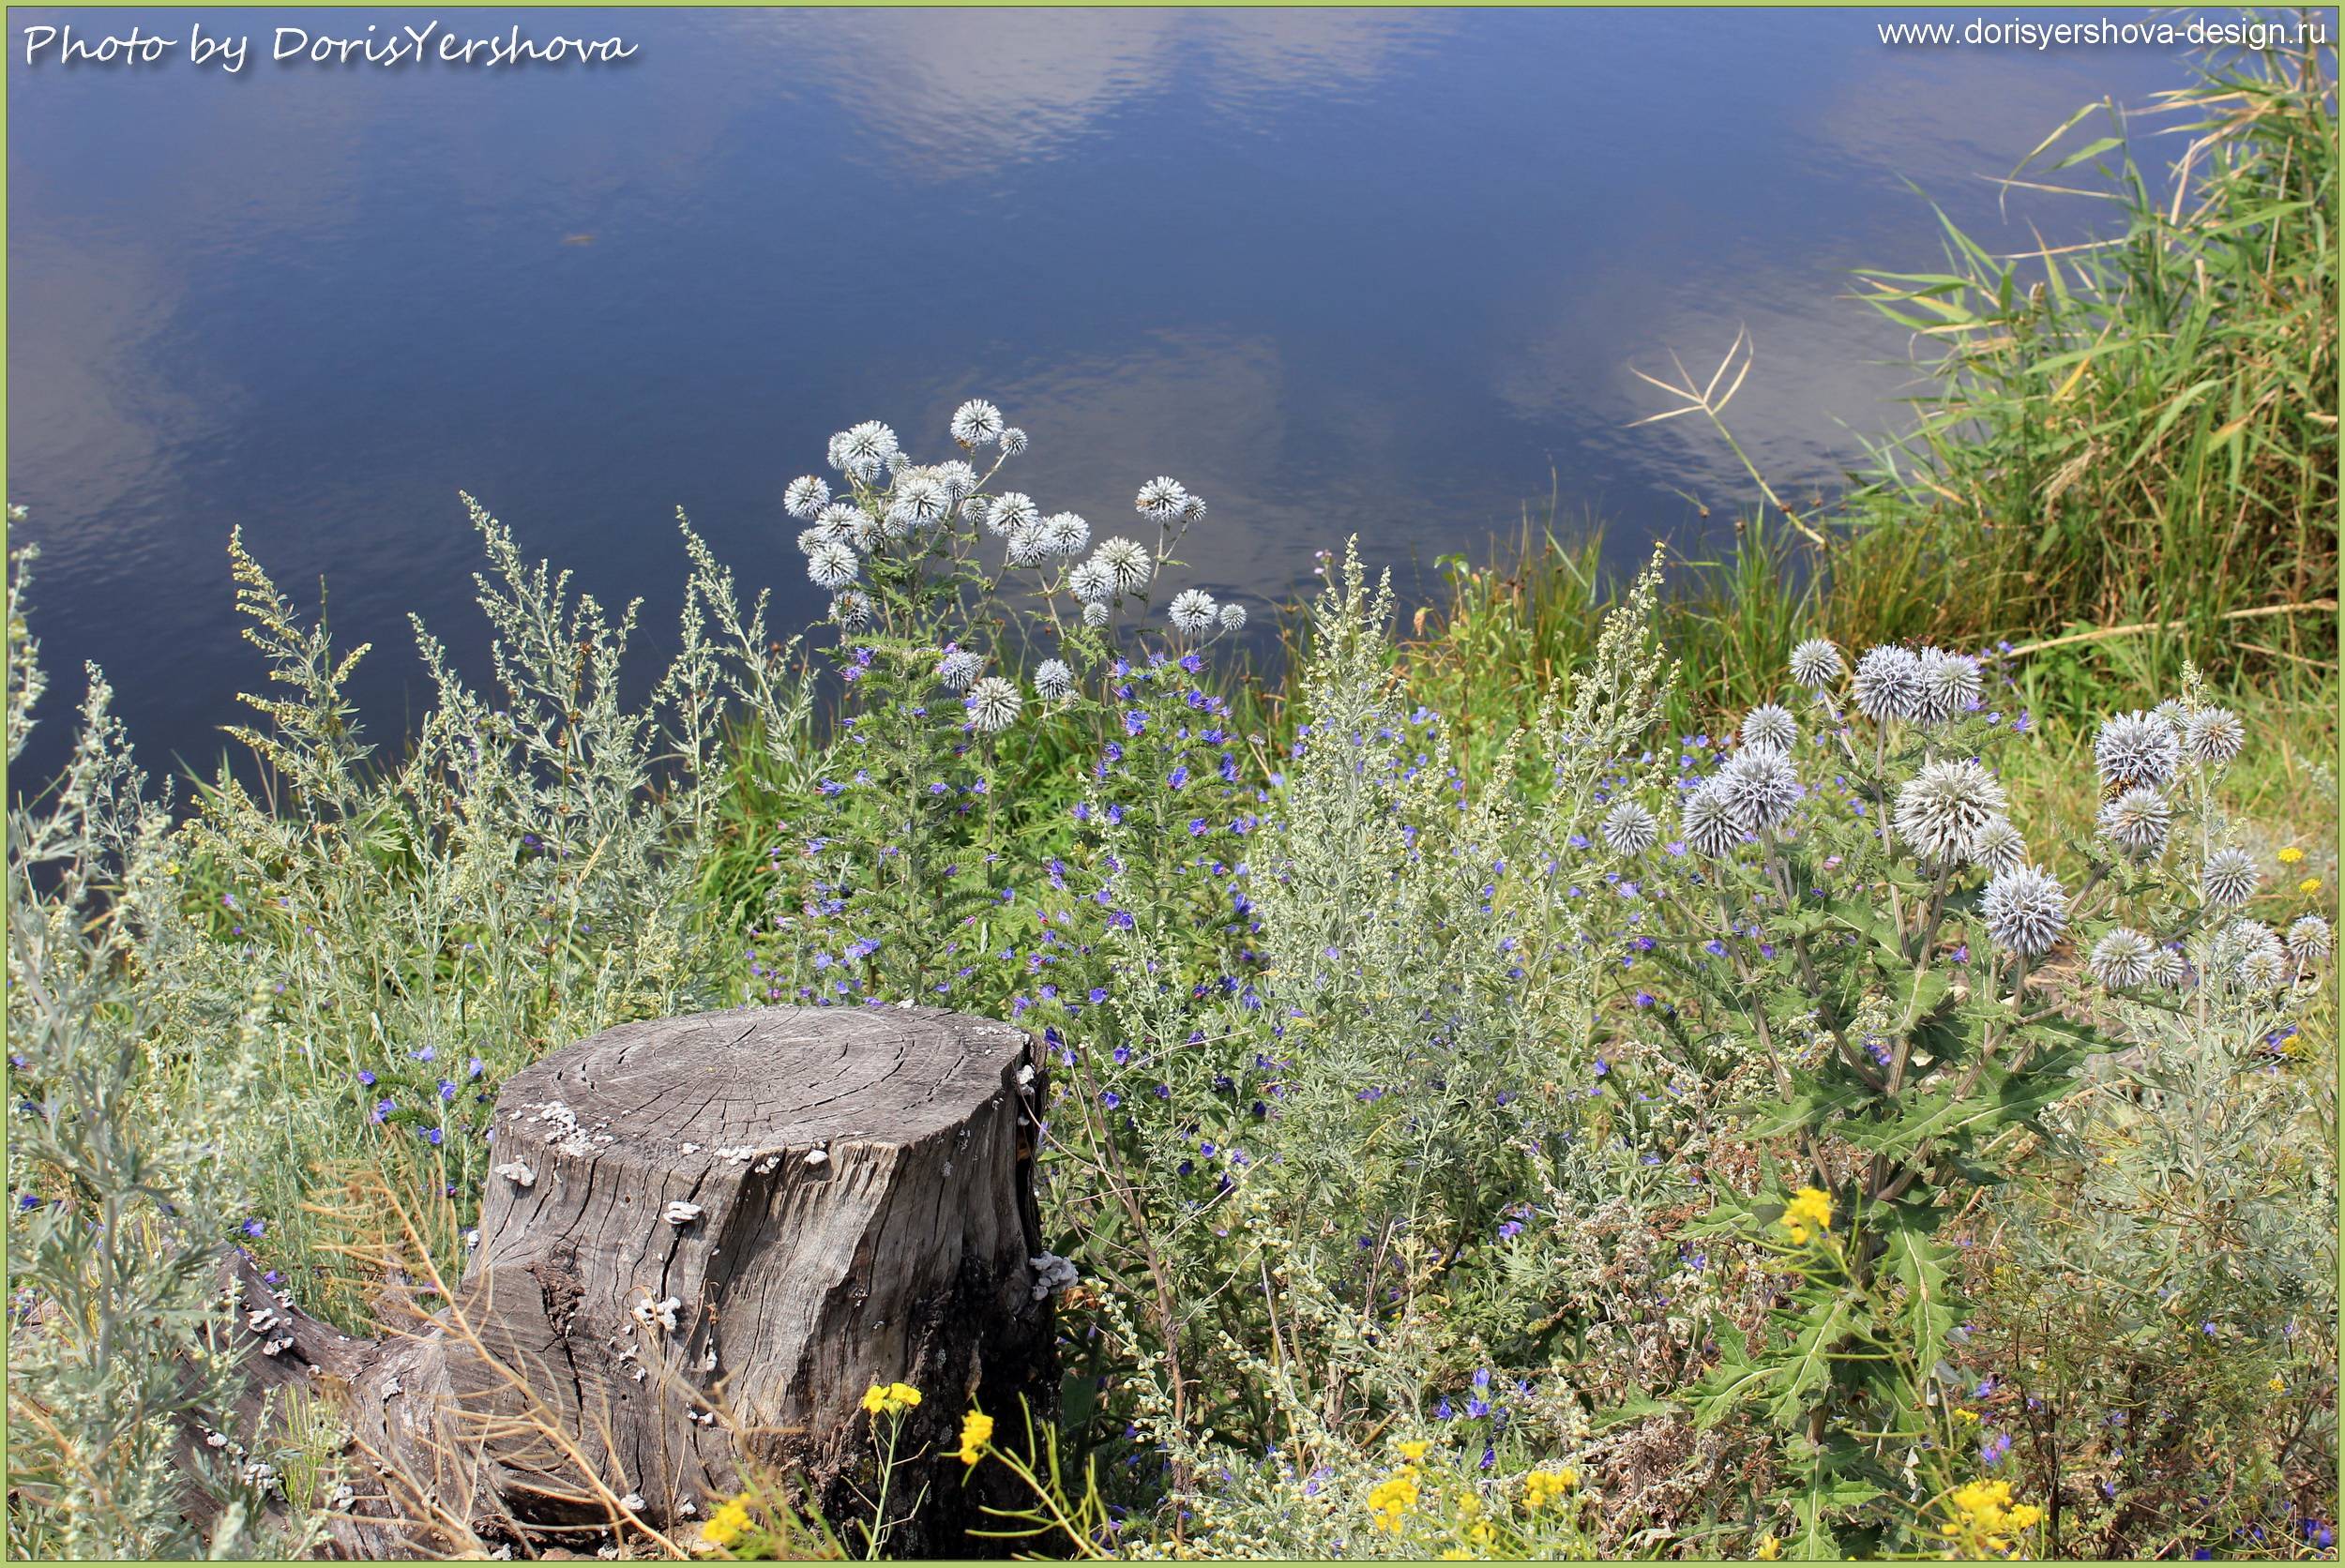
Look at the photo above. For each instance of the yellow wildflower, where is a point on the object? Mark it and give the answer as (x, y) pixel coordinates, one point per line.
(1414, 1449)
(894, 1399)
(2291, 855)
(1456, 1554)
(1769, 1549)
(976, 1430)
(1960, 1414)
(1389, 1500)
(1808, 1212)
(1482, 1534)
(2277, 1384)
(1543, 1486)
(728, 1524)
(1985, 1518)
(2310, 886)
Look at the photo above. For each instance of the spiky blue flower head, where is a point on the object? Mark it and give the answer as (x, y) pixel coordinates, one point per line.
(993, 703)
(835, 519)
(2025, 911)
(1013, 441)
(958, 479)
(920, 503)
(1816, 664)
(1628, 828)
(2137, 821)
(1770, 727)
(1025, 546)
(976, 422)
(2263, 969)
(1888, 683)
(976, 509)
(2308, 939)
(958, 667)
(2169, 970)
(804, 496)
(1053, 679)
(1760, 787)
(1192, 507)
(1128, 563)
(1946, 683)
(1708, 823)
(831, 563)
(2213, 735)
(1233, 617)
(2229, 878)
(1095, 614)
(1011, 510)
(1092, 581)
(1160, 499)
(817, 535)
(2136, 749)
(851, 609)
(2123, 958)
(863, 450)
(897, 463)
(1998, 846)
(1065, 534)
(1191, 611)
(1943, 808)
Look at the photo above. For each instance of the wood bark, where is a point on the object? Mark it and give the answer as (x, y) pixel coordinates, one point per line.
(706, 1237)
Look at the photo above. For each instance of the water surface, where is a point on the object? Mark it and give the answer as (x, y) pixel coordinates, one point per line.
(1383, 272)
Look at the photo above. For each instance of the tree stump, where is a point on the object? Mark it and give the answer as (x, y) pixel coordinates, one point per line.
(705, 1238)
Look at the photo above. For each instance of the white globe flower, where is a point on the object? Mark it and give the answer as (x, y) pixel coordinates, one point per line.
(1760, 787)
(1770, 727)
(1065, 534)
(1025, 546)
(804, 496)
(863, 450)
(1708, 824)
(1053, 679)
(1127, 563)
(1013, 441)
(2229, 878)
(1095, 615)
(1191, 611)
(2137, 821)
(2026, 911)
(1192, 507)
(992, 704)
(1160, 499)
(958, 479)
(2123, 959)
(976, 422)
(2213, 735)
(2308, 939)
(1234, 617)
(1999, 847)
(832, 565)
(1946, 684)
(1628, 828)
(1943, 808)
(1010, 511)
(851, 609)
(2136, 749)
(958, 667)
(1888, 683)
(1816, 664)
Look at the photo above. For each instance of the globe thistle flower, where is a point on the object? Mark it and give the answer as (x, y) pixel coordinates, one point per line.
(1628, 828)
(1191, 611)
(2123, 958)
(839, 450)
(1160, 499)
(897, 463)
(1771, 728)
(2136, 749)
(1888, 682)
(1233, 617)
(2229, 878)
(1760, 788)
(851, 609)
(864, 532)
(831, 564)
(976, 508)
(1065, 534)
(976, 422)
(1129, 563)
(1013, 441)
(2168, 969)
(1192, 507)
(835, 519)
(1095, 614)
(2263, 970)
(2026, 911)
(1092, 581)
(1943, 808)
(993, 703)
(2308, 939)
(958, 667)
(920, 503)
(1025, 546)
(2213, 735)
(1011, 510)
(817, 535)
(1998, 846)
(1816, 664)
(2244, 936)
(1709, 823)
(1948, 684)
(2136, 822)
(958, 479)
(863, 450)
(1053, 679)
(804, 496)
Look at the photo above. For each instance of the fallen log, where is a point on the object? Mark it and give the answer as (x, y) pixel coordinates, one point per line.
(705, 1239)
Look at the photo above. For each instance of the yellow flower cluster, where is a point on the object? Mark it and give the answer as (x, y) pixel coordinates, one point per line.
(1807, 1214)
(1392, 1497)
(1768, 1549)
(728, 1524)
(1986, 1518)
(1543, 1486)
(894, 1399)
(976, 1430)
(2291, 855)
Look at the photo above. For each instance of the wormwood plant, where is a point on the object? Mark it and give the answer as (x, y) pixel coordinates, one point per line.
(1850, 902)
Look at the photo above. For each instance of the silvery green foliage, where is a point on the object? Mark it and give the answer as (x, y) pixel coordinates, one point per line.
(132, 1153)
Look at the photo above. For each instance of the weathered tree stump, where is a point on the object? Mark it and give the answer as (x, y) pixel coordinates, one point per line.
(705, 1238)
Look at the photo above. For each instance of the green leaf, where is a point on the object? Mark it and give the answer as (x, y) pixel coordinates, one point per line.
(1922, 1265)
(1806, 1367)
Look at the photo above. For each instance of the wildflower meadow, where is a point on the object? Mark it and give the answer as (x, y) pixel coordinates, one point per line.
(1706, 1060)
